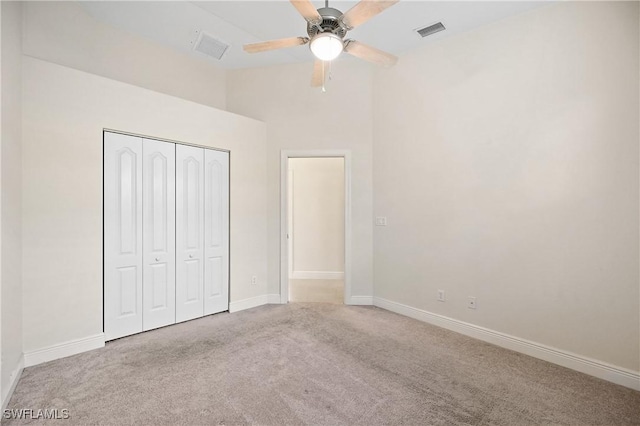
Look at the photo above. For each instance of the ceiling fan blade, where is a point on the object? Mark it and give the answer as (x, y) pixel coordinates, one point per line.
(371, 54)
(319, 74)
(307, 10)
(275, 44)
(365, 10)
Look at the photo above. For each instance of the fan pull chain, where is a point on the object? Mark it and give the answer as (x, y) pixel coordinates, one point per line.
(324, 90)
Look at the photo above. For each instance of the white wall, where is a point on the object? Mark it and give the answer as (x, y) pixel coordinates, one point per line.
(65, 111)
(63, 33)
(506, 161)
(11, 223)
(317, 215)
(300, 117)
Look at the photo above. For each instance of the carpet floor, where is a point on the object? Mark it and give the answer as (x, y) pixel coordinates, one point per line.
(321, 364)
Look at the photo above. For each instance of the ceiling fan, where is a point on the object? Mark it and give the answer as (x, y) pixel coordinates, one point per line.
(326, 29)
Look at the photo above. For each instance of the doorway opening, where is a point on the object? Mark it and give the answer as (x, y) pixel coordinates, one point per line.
(315, 228)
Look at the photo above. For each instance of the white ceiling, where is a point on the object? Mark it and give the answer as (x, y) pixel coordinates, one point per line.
(177, 24)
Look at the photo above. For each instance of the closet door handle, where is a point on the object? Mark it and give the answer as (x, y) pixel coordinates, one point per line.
(157, 259)
(190, 256)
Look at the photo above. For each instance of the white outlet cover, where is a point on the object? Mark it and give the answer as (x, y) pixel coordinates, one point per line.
(381, 221)
(472, 302)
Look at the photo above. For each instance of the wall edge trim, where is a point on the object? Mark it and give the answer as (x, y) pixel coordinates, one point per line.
(63, 350)
(274, 299)
(317, 275)
(361, 300)
(251, 302)
(13, 382)
(592, 367)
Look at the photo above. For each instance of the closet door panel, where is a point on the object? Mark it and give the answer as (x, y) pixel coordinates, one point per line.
(122, 235)
(159, 259)
(216, 232)
(189, 232)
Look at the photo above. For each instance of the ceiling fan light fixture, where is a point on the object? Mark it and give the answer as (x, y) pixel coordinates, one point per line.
(326, 46)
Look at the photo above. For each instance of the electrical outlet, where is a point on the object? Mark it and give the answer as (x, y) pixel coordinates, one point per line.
(472, 302)
(254, 280)
(441, 297)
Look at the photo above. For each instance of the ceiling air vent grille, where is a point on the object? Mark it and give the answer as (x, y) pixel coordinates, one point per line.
(211, 46)
(431, 29)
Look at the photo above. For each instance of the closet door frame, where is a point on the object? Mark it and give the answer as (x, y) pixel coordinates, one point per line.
(155, 138)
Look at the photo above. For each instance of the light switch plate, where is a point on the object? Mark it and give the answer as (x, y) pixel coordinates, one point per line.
(381, 221)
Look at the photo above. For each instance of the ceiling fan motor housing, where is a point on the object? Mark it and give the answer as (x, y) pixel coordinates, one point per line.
(330, 23)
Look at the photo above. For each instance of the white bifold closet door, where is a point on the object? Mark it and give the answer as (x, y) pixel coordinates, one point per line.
(123, 235)
(202, 232)
(216, 231)
(166, 218)
(189, 232)
(159, 234)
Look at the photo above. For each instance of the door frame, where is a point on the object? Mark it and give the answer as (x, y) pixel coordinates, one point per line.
(284, 215)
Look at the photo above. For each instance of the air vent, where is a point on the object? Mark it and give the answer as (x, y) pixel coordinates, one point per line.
(211, 46)
(431, 29)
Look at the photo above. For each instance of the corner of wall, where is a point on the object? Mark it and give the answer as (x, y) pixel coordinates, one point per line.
(11, 341)
(1, 386)
(12, 382)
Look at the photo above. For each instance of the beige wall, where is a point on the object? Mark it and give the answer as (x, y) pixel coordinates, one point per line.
(65, 111)
(317, 214)
(506, 161)
(63, 33)
(10, 225)
(300, 117)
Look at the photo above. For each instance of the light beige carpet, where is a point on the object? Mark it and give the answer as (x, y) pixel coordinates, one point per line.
(318, 291)
(316, 364)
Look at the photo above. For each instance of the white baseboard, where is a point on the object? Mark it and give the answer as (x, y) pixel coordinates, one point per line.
(360, 300)
(63, 350)
(13, 382)
(273, 299)
(252, 302)
(602, 370)
(316, 275)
